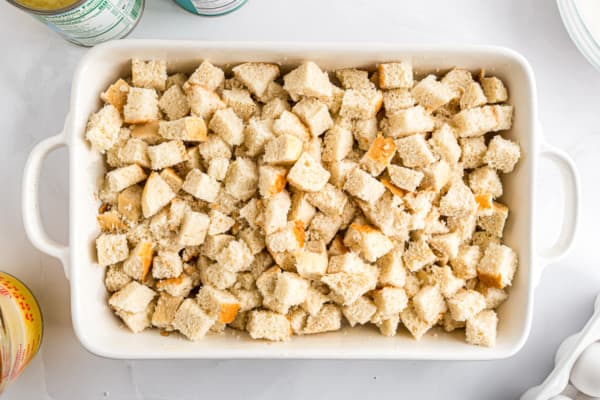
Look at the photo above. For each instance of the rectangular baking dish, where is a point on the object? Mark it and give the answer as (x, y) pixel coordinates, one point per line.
(102, 333)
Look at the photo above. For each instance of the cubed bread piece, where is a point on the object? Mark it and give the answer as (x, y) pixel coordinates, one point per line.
(274, 91)
(443, 142)
(289, 123)
(189, 129)
(147, 132)
(458, 201)
(121, 178)
(138, 263)
(472, 96)
(207, 76)
(465, 263)
(339, 171)
(167, 154)
(176, 79)
(329, 199)
(235, 256)
(314, 301)
(324, 227)
(397, 99)
(111, 248)
(256, 76)
(301, 209)
(379, 155)
(413, 323)
(308, 174)
(102, 129)
(407, 122)
(276, 211)
(307, 80)
(180, 286)
(133, 298)
(312, 261)
(271, 180)
(364, 132)
(217, 168)
(465, 304)
(359, 312)
(248, 298)
(174, 103)
(193, 228)
(395, 75)
(290, 289)
(464, 226)
(390, 300)
(254, 238)
(283, 150)
(431, 94)
(494, 222)
(369, 242)
(445, 279)
(347, 288)
(494, 90)
(134, 151)
(177, 210)
(141, 106)
(481, 329)
(389, 325)
(203, 102)
(328, 319)
(414, 151)
(116, 94)
(497, 266)
(166, 264)
(494, 297)
(219, 305)
(138, 321)
(473, 151)
(256, 134)
(214, 275)
(228, 126)
(352, 78)
(219, 222)
(241, 102)
(191, 320)
(447, 244)
(242, 179)
(214, 147)
(268, 325)
(480, 120)
(201, 186)
(274, 108)
(457, 80)
(429, 303)
(129, 203)
(502, 154)
(337, 143)
(436, 175)
(115, 278)
(348, 262)
(289, 238)
(314, 114)
(361, 103)
(165, 310)
(405, 178)
(149, 74)
(266, 281)
(485, 180)
(362, 185)
(391, 269)
(418, 255)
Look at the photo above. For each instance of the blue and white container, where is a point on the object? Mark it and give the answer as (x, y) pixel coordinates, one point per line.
(210, 8)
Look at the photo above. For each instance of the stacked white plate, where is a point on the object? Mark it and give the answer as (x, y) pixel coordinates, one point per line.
(582, 20)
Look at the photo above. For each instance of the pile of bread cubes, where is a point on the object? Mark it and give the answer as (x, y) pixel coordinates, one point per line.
(293, 203)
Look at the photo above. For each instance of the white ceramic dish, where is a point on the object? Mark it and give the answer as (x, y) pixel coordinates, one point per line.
(101, 332)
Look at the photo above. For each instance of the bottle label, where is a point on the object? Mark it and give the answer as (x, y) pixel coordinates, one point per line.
(211, 7)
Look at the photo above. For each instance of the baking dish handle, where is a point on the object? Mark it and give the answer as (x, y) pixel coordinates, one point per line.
(566, 165)
(31, 207)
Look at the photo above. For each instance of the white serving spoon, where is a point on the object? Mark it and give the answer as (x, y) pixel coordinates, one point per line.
(566, 356)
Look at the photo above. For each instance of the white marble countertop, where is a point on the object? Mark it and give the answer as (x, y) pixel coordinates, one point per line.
(35, 77)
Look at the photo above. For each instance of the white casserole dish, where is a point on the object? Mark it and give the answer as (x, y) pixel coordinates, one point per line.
(101, 332)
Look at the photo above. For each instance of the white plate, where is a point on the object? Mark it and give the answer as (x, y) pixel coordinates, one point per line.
(102, 333)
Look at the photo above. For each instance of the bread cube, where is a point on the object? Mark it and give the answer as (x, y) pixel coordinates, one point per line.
(429, 304)
(180, 286)
(351, 78)
(485, 180)
(274, 108)
(219, 222)
(497, 266)
(147, 132)
(166, 264)
(189, 129)
(337, 143)
(472, 96)
(465, 304)
(307, 80)
(256, 134)
(203, 102)
(283, 150)
(242, 179)
(174, 103)
(414, 151)
(207, 76)
(314, 114)
(457, 80)
(390, 300)
(102, 129)
(458, 201)
(276, 211)
(495, 221)
(445, 279)
(473, 150)
(361, 103)
(132, 298)
(347, 288)
(301, 209)
(465, 263)
(214, 275)
(397, 99)
(219, 305)
(235, 256)
(138, 321)
(138, 263)
(191, 320)
(274, 91)
(502, 154)
(177, 210)
(494, 90)
(165, 310)
(290, 289)
(314, 301)
(443, 142)
(167, 154)
(395, 75)
(289, 123)
(494, 297)
(201, 186)
(256, 76)
(405, 178)
(271, 180)
(389, 325)
(214, 147)
(241, 102)
(431, 94)
(379, 155)
(312, 261)
(177, 79)
(307, 174)
(348, 262)
(248, 298)
(447, 244)
(362, 185)
(359, 312)
(134, 151)
(193, 229)
(111, 248)
(329, 200)
(480, 120)
(121, 178)
(217, 168)
(413, 323)
(418, 255)
(436, 176)
(149, 74)
(268, 325)
(129, 203)
(228, 126)
(289, 238)
(368, 241)
(324, 227)
(116, 94)
(328, 319)
(141, 106)
(391, 269)
(481, 329)
(115, 278)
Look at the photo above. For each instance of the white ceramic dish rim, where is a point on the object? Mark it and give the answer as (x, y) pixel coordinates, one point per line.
(320, 346)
